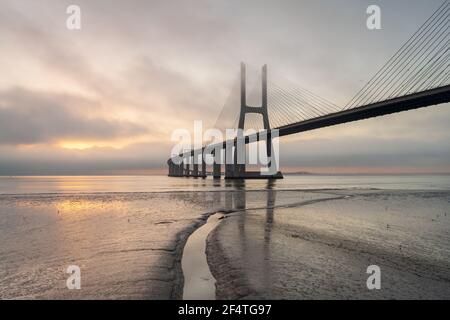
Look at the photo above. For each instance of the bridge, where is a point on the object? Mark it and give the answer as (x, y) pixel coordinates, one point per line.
(416, 76)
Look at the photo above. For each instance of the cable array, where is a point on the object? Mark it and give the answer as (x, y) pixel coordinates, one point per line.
(422, 63)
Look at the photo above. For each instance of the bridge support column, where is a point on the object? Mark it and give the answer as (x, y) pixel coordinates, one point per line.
(216, 164)
(239, 157)
(237, 169)
(170, 165)
(203, 169)
(216, 170)
(174, 170)
(187, 170)
(195, 170)
(229, 160)
(229, 171)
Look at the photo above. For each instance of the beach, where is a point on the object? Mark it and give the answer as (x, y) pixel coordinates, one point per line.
(322, 249)
(274, 241)
(125, 246)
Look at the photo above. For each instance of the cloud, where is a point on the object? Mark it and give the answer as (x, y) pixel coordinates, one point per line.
(148, 67)
(28, 117)
(51, 160)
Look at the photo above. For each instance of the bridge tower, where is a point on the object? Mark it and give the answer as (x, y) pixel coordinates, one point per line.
(238, 170)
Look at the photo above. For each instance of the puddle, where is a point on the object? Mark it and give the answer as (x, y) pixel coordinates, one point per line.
(199, 283)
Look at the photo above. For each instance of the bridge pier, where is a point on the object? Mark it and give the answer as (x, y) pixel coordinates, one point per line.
(217, 164)
(187, 170)
(239, 156)
(229, 161)
(235, 168)
(175, 170)
(171, 167)
(216, 170)
(203, 175)
(229, 171)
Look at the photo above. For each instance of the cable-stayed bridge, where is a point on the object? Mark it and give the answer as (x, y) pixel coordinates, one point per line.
(416, 76)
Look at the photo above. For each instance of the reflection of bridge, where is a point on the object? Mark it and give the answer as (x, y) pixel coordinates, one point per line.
(417, 75)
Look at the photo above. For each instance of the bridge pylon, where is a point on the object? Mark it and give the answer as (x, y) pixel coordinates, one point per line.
(237, 170)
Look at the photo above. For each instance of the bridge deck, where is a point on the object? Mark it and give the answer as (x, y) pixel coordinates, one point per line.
(404, 103)
(408, 102)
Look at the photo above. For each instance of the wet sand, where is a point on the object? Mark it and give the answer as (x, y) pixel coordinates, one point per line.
(127, 245)
(321, 249)
(280, 244)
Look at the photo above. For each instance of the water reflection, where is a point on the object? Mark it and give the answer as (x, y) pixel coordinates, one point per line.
(271, 198)
(254, 247)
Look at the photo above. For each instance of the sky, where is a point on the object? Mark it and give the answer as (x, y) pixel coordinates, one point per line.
(105, 99)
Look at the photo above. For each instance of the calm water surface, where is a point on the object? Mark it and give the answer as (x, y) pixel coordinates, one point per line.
(89, 184)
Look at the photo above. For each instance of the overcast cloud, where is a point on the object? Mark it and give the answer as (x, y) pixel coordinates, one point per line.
(106, 98)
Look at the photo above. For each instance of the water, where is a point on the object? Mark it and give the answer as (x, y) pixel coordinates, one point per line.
(101, 184)
(127, 235)
(199, 283)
